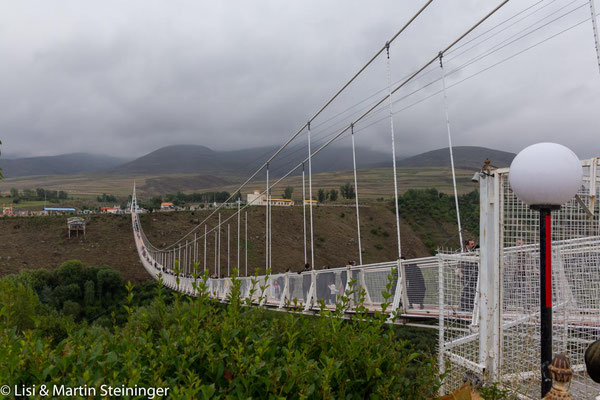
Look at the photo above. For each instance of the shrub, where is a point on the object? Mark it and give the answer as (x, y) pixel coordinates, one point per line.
(203, 349)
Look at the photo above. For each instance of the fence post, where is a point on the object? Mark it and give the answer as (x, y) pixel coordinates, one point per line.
(489, 293)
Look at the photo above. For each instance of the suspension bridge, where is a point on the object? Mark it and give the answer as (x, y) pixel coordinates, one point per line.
(484, 302)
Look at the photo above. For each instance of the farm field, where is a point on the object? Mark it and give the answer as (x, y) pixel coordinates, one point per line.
(372, 183)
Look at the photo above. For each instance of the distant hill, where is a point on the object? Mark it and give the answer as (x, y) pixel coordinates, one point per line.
(185, 159)
(465, 157)
(65, 164)
(211, 166)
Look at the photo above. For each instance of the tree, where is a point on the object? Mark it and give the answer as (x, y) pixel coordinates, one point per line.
(347, 191)
(14, 193)
(333, 195)
(287, 193)
(321, 195)
(62, 195)
(28, 194)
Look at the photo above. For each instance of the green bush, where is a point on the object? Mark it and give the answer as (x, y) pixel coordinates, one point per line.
(203, 349)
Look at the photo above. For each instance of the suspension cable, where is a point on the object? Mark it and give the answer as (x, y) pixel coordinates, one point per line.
(219, 251)
(445, 101)
(356, 196)
(304, 213)
(267, 224)
(310, 200)
(389, 76)
(238, 238)
(246, 243)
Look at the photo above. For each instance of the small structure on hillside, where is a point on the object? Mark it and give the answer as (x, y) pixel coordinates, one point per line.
(167, 206)
(59, 210)
(7, 210)
(258, 199)
(76, 225)
(112, 210)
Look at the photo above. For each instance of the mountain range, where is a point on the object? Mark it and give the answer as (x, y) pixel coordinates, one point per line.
(64, 164)
(201, 160)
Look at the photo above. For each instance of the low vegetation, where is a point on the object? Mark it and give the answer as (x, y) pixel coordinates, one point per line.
(199, 348)
(38, 194)
(432, 215)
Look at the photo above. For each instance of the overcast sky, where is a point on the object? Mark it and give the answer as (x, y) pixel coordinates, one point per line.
(127, 77)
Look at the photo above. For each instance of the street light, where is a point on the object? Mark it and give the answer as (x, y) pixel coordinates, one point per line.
(545, 176)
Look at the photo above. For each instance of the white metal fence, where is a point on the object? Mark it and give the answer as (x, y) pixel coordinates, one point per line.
(502, 342)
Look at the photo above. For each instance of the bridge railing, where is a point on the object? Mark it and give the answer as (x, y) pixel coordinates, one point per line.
(411, 285)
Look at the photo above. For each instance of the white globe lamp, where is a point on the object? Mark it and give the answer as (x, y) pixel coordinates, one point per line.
(545, 176)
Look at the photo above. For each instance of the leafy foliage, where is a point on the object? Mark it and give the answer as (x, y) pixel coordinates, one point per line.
(106, 198)
(321, 195)
(347, 191)
(333, 195)
(288, 191)
(203, 349)
(428, 210)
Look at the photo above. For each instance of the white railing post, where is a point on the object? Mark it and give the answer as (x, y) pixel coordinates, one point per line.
(399, 293)
(311, 292)
(489, 293)
(285, 292)
(361, 279)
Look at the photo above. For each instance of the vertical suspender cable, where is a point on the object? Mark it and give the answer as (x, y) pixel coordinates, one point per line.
(238, 239)
(356, 195)
(389, 71)
(267, 223)
(228, 249)
(185, 258)
(445, 98)
(195, 247)
(270, 227)
(304, 213)
(246, 243)
(271, 235)
(219, 249)
(205, 247)
(310, 202)
(595, 28)
(216, 271)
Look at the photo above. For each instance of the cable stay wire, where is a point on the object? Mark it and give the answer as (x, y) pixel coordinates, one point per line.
(445, 101)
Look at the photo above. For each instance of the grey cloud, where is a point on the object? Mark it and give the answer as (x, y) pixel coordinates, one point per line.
(127, 78)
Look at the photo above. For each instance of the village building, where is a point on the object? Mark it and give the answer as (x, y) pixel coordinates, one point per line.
(258, 199)
(112, 210)
(167, 206)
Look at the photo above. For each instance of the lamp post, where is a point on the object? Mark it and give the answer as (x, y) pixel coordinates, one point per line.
(545, 176)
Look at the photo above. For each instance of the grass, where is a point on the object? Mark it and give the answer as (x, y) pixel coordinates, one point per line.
(373, 183)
